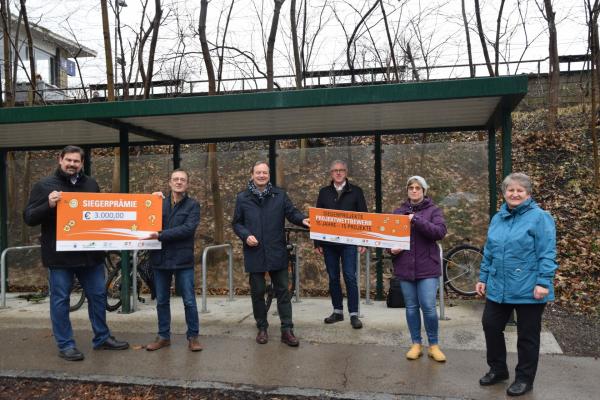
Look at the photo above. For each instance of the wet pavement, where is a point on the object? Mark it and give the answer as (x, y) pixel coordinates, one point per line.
(332, 360)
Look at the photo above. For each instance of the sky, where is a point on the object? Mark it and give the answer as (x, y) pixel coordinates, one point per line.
(433, 29)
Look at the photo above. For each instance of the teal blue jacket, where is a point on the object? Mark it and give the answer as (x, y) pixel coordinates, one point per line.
(519, 254)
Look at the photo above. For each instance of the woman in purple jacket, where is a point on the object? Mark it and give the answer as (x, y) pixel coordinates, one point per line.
(419, 268)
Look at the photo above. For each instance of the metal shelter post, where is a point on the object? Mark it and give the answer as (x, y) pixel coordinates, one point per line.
(506, 142)
(124, 186)
(3, 204)
(492, 179)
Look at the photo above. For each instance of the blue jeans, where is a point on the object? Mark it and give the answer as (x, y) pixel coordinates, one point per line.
(184, 279)
(421, 294)
(347, 255)
(93, 283)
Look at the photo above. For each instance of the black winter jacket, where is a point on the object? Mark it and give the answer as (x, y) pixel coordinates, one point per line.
(38, 212)
(351, 199)
(266, 221)
(179, 223)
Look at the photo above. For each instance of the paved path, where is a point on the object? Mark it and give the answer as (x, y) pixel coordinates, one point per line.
(331, 360)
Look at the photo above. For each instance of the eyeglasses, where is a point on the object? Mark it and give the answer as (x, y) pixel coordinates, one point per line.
(184, 180)
(338, 171)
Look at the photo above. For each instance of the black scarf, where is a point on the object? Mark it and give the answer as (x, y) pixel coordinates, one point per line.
(254, 190)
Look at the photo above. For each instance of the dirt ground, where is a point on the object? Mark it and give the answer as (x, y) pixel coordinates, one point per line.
(577, 334)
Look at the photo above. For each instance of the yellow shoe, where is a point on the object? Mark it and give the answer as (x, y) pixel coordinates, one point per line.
(416, 351)
(436, 353)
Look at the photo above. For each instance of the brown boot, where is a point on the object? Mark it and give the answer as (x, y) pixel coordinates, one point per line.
(194, 344)
(262, 337)
(288, 338)
(158, 343)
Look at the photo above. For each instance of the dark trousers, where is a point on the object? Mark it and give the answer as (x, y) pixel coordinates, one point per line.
(258, 289)
(346, 254)
(529, 326)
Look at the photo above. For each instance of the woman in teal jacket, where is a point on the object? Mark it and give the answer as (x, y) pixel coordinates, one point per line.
(517, 272)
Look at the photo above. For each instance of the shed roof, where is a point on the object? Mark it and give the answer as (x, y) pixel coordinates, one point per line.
(466, 104)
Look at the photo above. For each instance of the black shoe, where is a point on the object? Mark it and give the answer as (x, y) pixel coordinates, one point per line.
(355, 322)
(71, 354)
(492, 378)
(333, 318)
(112, 344)
(518, 388)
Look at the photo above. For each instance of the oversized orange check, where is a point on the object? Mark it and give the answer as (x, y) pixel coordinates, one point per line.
(360, 228)
(107, 221)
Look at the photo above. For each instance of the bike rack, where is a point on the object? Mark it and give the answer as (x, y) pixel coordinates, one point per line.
(442, 302)
(367, 277)
(229, 267)
(297, 273)
(134, 292)
(3, 268)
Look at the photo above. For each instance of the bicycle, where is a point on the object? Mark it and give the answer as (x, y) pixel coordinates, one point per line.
(114, 278)
(461, 268)
(291, 253)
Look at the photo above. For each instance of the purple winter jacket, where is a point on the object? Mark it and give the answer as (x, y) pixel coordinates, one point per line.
(427, 226)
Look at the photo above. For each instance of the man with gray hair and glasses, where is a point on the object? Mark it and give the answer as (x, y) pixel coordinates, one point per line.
(340, 194)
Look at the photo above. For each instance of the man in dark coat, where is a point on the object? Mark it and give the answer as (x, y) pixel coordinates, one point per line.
(180, 218)
(259, 221)
(340, 194)
(87, 266)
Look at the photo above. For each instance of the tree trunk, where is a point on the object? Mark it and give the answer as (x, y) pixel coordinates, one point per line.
(215, 189)
(349, 59)
(390, 43)
(271, 43)
(32, 75)
(497, 42)
(298, 64)
(595, 53)
(153, 41)
(554, 65)
(486, 55)
(468, 36)
(110, 79)
(9, 99)
(411, 60)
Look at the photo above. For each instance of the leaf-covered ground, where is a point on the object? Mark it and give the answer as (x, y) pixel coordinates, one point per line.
(561, 167)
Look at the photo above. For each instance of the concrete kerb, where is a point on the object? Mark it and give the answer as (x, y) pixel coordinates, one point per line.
(383, 326)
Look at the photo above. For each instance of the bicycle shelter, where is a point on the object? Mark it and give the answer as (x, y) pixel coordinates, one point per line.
(478, 104)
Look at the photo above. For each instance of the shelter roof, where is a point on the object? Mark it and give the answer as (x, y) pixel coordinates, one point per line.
(452, 105)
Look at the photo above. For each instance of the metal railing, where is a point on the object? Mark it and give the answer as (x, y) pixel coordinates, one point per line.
(229, 267)
(3, 269)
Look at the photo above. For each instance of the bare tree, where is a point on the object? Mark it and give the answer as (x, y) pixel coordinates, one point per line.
(468, 37)
(482, 38)
(32, 74)
(211, 147)
(271, 43)
(107, 52)
(9, 99)
(592, 12)
(554, 73)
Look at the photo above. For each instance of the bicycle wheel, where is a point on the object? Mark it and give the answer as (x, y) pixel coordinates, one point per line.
(113, 290)
(461, 269)
(77, 294)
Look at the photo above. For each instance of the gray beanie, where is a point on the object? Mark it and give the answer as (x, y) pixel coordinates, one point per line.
(421, 182)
